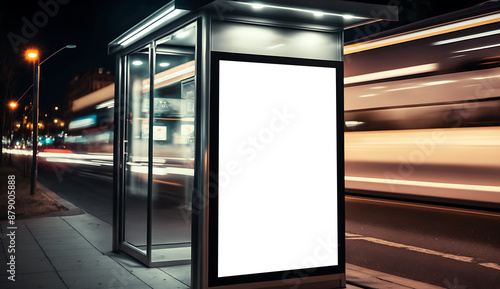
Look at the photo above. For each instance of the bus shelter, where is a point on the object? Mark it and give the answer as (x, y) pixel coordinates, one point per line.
(228, 144)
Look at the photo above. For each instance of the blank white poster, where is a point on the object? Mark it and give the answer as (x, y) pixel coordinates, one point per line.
(277, 168)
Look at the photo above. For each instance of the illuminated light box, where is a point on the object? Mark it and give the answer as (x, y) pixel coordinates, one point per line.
(276, 168)
(83, 122)
(159, 132)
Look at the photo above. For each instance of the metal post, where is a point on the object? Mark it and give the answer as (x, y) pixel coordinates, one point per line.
(11, 135)
(149, 238)
(34, 164)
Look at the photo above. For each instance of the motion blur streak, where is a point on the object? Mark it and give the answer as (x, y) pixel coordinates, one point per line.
(105, 160)
(433, 31)
(478, 48)
(77, 156)
(423, 206)
(68, 161)
(420, 122)
(18, 152)
(468, 37)
(427, 146)
(456, 163)
(392, 73)
(495, 189)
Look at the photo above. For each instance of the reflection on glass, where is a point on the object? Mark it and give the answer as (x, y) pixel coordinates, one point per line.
(136, 158)
(173, 145)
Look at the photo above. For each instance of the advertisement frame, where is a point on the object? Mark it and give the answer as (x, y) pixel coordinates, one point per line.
(286, 276)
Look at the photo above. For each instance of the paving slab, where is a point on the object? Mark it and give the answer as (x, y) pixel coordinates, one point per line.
(181, 273)
(93, 229)
(73, 252)
(92, 262)
(76, 246)
(46, 280)
(104, 281)
(170, 284)
(63, 234)
(27, 254)
(34, 265)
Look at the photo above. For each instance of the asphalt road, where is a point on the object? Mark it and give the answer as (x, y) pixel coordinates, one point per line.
(444, 246)
(88, 187)
(448, 247)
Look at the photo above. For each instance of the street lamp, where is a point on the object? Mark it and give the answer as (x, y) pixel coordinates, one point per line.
(33, 55)
(56, 127)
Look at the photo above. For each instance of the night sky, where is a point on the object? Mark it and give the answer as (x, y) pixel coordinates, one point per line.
(91, 25)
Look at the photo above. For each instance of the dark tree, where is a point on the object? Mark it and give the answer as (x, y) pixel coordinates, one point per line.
(7, 79)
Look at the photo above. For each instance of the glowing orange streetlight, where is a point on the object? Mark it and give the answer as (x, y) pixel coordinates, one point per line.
(32, 54)
(12, 104)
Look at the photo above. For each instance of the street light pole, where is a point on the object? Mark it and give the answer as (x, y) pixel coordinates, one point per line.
(36, 89)
(12, 106)
(34, 163)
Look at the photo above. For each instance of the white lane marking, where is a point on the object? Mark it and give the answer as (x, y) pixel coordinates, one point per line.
(350, 236)
(491, 265)
(434, 207)
(483, 188)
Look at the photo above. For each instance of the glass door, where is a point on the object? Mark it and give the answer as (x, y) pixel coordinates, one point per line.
(173, 146)
(136, 154)
(159, 146)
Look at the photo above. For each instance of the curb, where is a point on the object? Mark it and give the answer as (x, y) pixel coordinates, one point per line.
(371, 279)
(72, 210)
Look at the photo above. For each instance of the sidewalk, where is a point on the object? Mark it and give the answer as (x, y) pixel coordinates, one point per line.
(72, 249)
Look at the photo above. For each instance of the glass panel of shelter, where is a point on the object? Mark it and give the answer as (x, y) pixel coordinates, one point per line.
(136, 151)
(173, 145)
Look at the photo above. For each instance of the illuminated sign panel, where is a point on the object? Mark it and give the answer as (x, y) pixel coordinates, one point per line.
(159, 132)
(277, 167)
(83, 122)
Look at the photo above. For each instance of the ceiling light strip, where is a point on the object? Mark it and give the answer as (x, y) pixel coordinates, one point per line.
(260, 6)
(154, 23)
